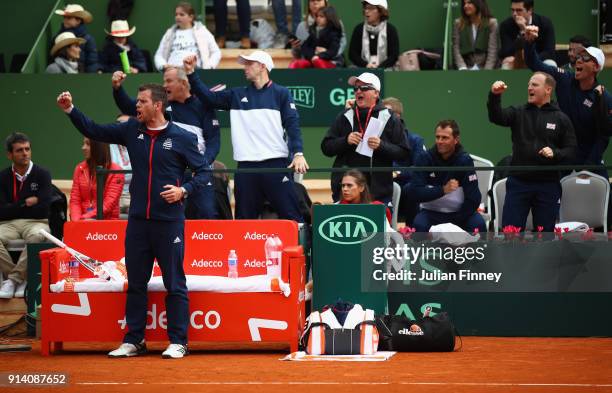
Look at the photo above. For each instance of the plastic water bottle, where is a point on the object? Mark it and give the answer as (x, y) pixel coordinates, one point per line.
(73, 269)
(232, 264)
(274, 255)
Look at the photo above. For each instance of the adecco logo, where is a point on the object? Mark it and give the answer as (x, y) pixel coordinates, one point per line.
(348, 229)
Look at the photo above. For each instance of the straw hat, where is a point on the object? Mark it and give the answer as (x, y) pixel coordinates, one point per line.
(76, 10)
(120, 28)
(65, 39)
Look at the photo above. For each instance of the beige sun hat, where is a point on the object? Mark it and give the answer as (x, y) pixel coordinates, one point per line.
(76, 10)
(65, 39)
(120, 28)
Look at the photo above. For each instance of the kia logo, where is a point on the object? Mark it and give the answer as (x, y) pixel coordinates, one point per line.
(348, 229)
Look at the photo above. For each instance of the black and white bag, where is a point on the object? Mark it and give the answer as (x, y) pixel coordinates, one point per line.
(428, 334)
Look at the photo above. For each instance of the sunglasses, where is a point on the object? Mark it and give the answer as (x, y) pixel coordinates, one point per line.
(363, 88)
(584, 58)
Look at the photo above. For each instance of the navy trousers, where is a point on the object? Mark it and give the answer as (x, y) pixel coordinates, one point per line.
(202, 204)
(252, 189)
(145, 241)
(426, 218)
(543, 198)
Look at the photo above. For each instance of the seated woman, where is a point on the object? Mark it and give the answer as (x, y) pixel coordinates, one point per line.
(355, 190)
(302, 31)
(75, 19)
(375, 42)
(187, 37)
(475, 40)
(321, 48)
(65, 53)
(117, 41)
(83, 200)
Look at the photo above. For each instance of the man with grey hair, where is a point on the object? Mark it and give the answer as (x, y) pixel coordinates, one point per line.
(188, 112)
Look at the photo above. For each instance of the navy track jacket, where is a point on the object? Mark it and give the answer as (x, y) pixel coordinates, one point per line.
(156, 161)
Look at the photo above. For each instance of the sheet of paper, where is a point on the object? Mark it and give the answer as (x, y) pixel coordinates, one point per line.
(375, 128)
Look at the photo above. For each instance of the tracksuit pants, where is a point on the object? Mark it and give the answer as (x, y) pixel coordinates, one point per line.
(202, 204)
(543, 198)
(145, 241)
(252, 189)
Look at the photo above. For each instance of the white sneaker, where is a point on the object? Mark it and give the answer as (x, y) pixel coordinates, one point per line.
(7, 290)
(127, 350)
(175, 351)
(20, 291)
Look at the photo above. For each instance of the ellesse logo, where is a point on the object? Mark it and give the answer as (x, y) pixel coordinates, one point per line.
(407, 332)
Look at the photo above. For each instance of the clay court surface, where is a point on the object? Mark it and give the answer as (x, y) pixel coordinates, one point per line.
(484, 364)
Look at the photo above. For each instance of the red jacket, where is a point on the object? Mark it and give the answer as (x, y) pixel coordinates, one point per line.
(83, 194)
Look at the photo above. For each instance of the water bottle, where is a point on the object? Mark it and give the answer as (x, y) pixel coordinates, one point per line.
(232, 264)
(73, 269)
(274, 252)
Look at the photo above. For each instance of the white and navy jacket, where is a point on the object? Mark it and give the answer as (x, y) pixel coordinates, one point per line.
(158, 158)
(259, 119)
(190, 115)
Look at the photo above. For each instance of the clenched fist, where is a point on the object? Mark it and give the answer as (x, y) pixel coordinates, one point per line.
(64, 100)
(498, 87)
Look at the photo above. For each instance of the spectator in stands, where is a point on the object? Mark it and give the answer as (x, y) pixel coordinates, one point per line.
(119, 40)
(444, 196)
(83, 195)
(475, 40)
(66, 53)
(190, 113)
(541, 135)
(576, 45)
(320, 50)
(407, 208)
(75, 19)
(582, 98)
(280, 17)
(375, 42)
(512, 32)
(187, 37)
(355, 190)
(303, 28)
(344, 139)
(25, 194)
(265, 134)
(243, 9)
(120, 157)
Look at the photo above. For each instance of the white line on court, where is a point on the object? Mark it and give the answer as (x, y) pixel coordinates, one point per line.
(568, 385)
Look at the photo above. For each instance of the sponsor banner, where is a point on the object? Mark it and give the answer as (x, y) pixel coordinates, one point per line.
(318, 95)
(207, 243)
(339, 234)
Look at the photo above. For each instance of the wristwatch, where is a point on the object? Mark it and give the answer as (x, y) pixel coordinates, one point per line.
(298, 154)
(185, 193)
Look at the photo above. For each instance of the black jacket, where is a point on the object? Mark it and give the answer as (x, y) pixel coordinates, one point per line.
(328, 38)
(532, 129)
(111, 62)
(37, 183)
(511, 40)
(392, 47)
(393, 147)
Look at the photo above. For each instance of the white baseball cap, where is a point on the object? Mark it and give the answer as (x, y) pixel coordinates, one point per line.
(368, 78)
(381, 3)
(598, 55)
(258, 56)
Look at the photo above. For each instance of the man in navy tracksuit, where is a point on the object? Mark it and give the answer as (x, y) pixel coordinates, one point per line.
(446, 197)
(541, 135)
(187, 112)
(160, 151)
(265, 134)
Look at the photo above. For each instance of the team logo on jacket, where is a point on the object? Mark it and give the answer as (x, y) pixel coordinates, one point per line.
(244, 99)
(473, 177)
(551, 126)
(167, 144)
(588, 103)
(34, 186)
(141, 137)
(215, 123)
(432, 174)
